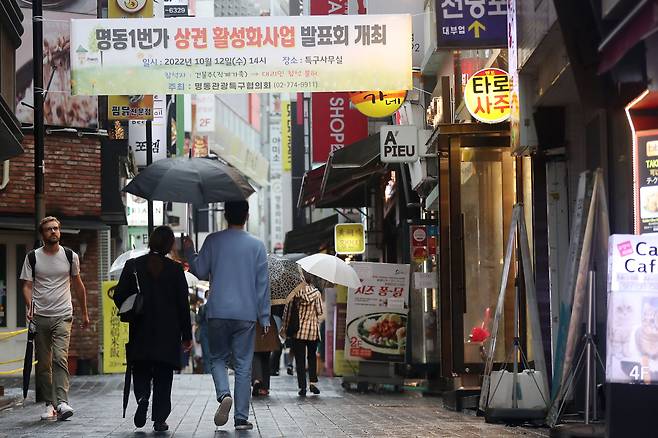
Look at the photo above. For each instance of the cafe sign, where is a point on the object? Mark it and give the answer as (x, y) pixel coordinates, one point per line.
(486, 95)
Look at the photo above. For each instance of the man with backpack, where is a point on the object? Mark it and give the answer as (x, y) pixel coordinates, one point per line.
(49, 274)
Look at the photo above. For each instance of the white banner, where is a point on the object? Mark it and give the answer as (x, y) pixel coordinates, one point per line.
(241, 54)
(137, 133)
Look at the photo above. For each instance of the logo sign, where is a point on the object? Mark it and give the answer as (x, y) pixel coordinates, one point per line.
(130, 9)
(471, 23)
(335, 124)
(487, 95)
(398, 144)
(418, 242)
(137, 107)
(349, 239)
(378, 104)
(131, 6)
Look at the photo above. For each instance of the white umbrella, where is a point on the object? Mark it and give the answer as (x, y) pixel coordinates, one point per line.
(191, 279)
(331, 268)
(120, 262)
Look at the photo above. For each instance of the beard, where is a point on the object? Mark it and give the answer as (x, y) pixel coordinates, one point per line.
(51, 240)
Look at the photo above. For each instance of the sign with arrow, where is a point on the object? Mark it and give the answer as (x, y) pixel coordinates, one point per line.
(471, 23)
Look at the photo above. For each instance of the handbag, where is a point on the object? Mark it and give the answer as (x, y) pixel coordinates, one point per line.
(293, 319)
(133, 306)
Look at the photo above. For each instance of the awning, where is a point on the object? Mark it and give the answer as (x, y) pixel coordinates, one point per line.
(311, 184)
(312, 238)
(641, 22)
(352, 195)
(69, 225)
(10, 133)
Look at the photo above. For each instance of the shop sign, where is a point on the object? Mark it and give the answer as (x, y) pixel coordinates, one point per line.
(471, 23)
(137, 107)
(176, 8)
(241, 55)
(130, 8)
(204, 120)
(647, 173)
(349, 239)
(137, 133)
(632, 351)
(377, 313)
(277, 233)
(335, 124)
(418, 238)
(487, 95)
(398, 143)
(137, 211)
(378, 104)
(513, 60)
(115, 333)
(286, 136)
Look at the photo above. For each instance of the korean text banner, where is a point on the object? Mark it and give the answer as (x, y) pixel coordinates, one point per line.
(241, 54)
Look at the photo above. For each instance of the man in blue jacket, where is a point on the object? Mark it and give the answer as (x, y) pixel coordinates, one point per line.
(240, 296)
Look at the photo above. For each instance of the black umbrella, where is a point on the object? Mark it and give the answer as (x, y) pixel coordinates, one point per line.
(126, 387)
(190, 180)
(29, 354)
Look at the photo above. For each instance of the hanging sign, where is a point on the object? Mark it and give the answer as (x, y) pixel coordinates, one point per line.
(378, 104)
(349, 239)
(398, 143)
(487, 95)
(242, 54)
(471, 23)
(138, 107)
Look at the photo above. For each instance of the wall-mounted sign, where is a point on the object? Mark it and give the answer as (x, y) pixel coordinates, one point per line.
(487, 95)
(176, 8)
(242, 54)
(139, 107)
(378, 104)
(398, 143)
(471, 23)
(130, 8)
(349, 239)
(646, 204)
(335, 124)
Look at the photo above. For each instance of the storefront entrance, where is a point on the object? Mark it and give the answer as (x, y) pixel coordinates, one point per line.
(478, 189)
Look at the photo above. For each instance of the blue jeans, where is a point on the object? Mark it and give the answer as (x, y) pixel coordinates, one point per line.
(232, 339)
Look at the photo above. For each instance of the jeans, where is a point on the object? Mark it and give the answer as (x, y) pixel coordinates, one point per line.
(232, 338)
(52, 351)
(305, 350)
(162, 376)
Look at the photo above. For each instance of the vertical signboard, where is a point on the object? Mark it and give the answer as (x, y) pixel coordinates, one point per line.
(286, 137)
(137, 133)
(377, 313)
(115, 333)
(647, 172)
(471, 23)
(513, 60)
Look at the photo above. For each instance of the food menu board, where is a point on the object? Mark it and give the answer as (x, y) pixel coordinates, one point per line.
(647, 173)
(377, 313)
(632, 338)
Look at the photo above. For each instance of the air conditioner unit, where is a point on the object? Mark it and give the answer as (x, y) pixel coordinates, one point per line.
(424, 172)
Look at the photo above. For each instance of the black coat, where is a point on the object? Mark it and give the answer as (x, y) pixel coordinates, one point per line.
(157, 334)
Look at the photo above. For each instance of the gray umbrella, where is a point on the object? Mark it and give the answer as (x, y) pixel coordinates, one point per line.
(190, 180)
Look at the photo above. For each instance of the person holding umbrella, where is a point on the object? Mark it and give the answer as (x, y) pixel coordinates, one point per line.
(49, 273)
(162, 326)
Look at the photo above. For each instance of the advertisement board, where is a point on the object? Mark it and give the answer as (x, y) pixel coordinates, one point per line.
(241, 54)
(647, 174)
(137, 133)
(349, 239)
(137, 210)
(487, 94)
(377, 313)
(115, 333)
(632, 338)
(471, 23)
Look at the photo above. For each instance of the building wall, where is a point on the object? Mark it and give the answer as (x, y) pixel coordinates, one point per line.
(72, 182)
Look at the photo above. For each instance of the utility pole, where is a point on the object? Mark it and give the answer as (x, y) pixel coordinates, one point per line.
(149, 160)
(39, 129)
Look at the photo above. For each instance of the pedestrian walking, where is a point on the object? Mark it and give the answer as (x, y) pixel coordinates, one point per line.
(265, 345)
(202, 324)
(160, 330)
(49, 273)
(275, 357)
(301, 323)
(239, 298)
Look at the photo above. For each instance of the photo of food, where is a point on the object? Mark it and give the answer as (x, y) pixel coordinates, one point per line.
(652, 148)
(649, 202)
(383, 332)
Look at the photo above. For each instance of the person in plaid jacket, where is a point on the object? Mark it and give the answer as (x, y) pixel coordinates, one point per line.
(306, 307)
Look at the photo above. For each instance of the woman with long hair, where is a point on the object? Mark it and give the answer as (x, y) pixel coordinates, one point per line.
(157, 333)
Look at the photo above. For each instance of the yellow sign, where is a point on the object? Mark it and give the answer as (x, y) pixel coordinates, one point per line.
(130, 107)
(130, 9)
(115, 334)
(487, 95)
(286, 138)
(378, 104)
(349, 239)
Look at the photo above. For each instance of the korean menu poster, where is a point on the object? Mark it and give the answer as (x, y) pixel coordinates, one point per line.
(377, 313)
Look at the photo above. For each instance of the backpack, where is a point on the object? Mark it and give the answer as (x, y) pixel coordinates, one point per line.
(32, 259)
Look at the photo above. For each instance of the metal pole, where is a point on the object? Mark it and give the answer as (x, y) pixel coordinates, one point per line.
(515, 346)
(588, 358)
(149, 160)
(39, 129)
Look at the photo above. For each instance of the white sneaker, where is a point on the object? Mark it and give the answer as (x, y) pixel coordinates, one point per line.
(64, 411)
(49, 414)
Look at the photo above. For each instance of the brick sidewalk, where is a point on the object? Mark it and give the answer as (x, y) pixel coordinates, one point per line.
(335, 413)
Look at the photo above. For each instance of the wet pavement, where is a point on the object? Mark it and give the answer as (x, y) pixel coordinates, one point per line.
(334, 413)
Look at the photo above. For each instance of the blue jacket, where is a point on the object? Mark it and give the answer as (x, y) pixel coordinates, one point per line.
(236, 262)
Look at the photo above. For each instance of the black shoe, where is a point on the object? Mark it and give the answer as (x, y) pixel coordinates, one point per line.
(243, 425)
(289, 371)
(274, 373)
(140, 413)
(314, 389)
(302, 393)
(160, 427)
(256, 386)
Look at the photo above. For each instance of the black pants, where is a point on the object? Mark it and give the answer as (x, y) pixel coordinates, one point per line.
(305, 350)
(162, 376)
(261, 369)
